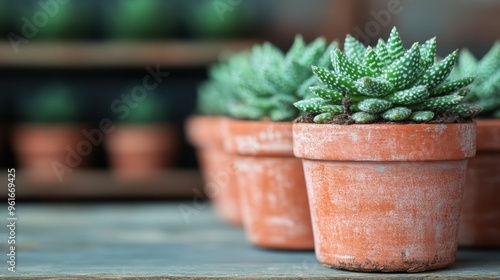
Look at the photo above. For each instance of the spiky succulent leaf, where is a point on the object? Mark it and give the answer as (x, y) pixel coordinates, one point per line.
(452, 86)
(328, 94)
(363, 117)
(372, 62)
(345, 66)
(334, 81)
(463, 91)
(489, 64)
(312, 105)
(409, 96)
(465, 110)
(323, 117)
(354, 49)
(490, 86)
(334, 109)
(438, 72)
(397, 114)
(325, 60)
(282, 113)
(296, 50)
(374, 87)
(421, 116)
(404, 70)
(428, 53)
(382, 53)
(438, 103)
(313, 52)
(395, 46)
(374, 105)
(304, 89)
(468, 63)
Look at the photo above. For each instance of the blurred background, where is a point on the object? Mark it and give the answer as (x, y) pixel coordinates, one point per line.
(109, 80)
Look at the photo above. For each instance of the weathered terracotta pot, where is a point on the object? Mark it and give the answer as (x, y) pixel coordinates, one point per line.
(46, 150)
(217, 166)
(385, 197)
(480, 218)
(271, 185)
(141, 151)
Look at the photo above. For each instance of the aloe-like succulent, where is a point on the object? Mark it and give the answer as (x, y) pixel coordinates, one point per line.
(265, 82)
(388, 83)
(486, 89)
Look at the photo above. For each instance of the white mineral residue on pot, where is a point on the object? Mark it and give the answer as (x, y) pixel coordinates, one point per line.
(468, 137)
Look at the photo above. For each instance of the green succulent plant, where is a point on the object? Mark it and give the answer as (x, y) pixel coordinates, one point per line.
(209, 100)
(265, 82)
(388, 83)
(486, 89)
(51, 104)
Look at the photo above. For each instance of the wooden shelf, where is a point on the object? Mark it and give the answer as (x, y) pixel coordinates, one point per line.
(118, 54)
(102, 184)
(174, 241)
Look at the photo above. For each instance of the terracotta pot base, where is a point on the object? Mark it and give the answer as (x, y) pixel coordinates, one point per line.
(271, 185)
(401, 221)
(480, 217)
(39, 146)
(140, 152)
(385, 197)
(272, 193)
(217, 166)
(218, 170)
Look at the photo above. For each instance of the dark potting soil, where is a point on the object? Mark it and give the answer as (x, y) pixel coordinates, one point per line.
(345, 119)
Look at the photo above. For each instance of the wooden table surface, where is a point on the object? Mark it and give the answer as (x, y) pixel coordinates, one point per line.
(171, 240)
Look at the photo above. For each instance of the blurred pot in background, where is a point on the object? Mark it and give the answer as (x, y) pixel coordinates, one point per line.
(204, 132)
(47, 140)
(144, 19)
(143, 143)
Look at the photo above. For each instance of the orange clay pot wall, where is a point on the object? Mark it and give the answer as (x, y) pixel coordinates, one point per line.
(39, 145)
(141, 152)
(205, 133)
(385, 197)
(271, 184)
(480, 218)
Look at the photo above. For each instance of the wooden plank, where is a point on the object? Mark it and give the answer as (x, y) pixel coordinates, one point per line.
(118, 54)
(175, 241)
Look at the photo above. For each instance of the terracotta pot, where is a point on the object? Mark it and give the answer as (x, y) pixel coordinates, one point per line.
(141, 151)
(271, 184)
(385, 197)
(217, 166)
(49, 152)
(480, 218)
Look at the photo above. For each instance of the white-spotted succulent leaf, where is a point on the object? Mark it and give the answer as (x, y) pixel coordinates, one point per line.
(389, 83)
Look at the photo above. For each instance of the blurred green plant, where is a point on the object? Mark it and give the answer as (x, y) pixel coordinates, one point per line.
(54, 103)
(265, 82)
(486, 89)
(152, 109)
(204, 20)
(388, 83)
(143, 19)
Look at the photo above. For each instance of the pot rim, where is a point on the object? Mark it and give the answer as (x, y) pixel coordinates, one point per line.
(258, 138)
(385, 142)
